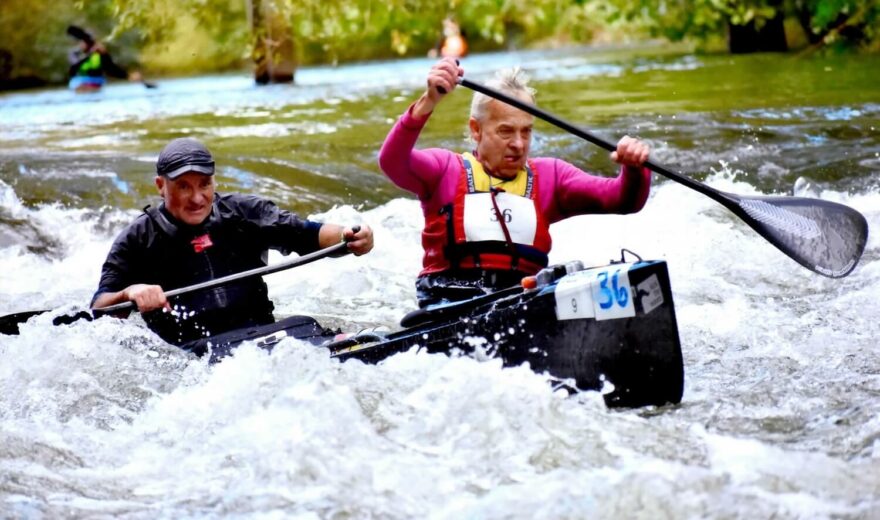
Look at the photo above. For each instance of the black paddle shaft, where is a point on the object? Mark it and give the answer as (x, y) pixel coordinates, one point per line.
(9, 323)
(826, 237)
(338, 249)
(595, 139)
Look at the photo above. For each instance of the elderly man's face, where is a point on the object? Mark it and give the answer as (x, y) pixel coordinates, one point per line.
(503, 139)
(188, 197)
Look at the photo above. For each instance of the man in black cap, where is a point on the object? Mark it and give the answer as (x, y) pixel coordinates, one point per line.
(196, 235)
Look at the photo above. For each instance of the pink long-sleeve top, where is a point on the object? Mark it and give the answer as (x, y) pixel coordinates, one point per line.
(563, 190)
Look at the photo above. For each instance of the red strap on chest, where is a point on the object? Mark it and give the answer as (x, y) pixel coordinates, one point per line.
(200, 243)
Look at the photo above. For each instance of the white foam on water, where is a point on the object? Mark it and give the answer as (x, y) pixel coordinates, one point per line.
(779, 416)
(70, 273)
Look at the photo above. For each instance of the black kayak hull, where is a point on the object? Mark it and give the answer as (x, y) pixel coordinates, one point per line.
(635, 361)
(302, 328)
(631, 353)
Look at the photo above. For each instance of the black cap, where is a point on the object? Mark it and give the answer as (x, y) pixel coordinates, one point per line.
(184, 155)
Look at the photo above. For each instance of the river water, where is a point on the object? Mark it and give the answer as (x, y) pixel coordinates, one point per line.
(781, 411)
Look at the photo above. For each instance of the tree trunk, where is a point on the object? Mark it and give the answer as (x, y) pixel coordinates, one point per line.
(274, 53)
(748, 38)
(8, 79)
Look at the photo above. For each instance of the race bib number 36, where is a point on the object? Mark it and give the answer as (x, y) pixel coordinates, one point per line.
(481, 218)
(604, 293)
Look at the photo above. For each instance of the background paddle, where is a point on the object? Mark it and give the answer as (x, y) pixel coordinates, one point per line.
(825, 237)
(82, 35)
(9, 323)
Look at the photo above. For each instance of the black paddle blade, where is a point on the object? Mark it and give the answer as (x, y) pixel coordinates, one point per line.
(825, 237)
(67, 319)
(80, 34)
(9, 323)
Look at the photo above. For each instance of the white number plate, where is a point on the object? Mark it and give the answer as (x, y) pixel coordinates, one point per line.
(603, 293)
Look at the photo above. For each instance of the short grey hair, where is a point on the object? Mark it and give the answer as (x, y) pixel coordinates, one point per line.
(513, 82)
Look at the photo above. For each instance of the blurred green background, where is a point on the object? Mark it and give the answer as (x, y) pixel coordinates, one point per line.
(186, 37)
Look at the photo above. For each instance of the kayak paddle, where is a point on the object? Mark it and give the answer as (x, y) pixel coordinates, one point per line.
(825, 237)
(9, 323)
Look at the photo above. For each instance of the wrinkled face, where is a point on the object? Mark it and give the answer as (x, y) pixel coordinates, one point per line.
(503, 138)
(188, 197)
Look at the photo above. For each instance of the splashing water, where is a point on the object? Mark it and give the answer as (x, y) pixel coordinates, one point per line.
(102, 419)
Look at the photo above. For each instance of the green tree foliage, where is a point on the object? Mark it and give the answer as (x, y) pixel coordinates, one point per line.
(199, 35)
(34, 35)
(842, 20)
(331, 30)
(853, 22)
(35, 44)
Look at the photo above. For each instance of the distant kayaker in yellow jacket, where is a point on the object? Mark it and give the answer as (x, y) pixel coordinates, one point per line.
(90, 63)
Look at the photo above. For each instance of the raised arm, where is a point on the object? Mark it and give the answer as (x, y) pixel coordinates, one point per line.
(419, 171)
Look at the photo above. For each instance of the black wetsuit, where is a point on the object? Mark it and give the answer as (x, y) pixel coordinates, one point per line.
(157, 249)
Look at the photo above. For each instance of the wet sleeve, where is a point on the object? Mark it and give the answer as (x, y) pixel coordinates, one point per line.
(579, 192)
(117, 271)
(280, 229)
(417, 171)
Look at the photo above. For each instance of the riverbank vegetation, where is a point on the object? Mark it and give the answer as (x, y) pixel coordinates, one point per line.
(196, 36)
